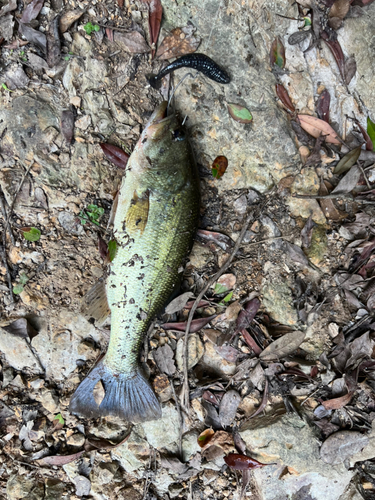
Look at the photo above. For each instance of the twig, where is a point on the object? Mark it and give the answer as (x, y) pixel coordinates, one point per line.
(4, 212)
(125, 30)
(16, 194)
(342, 196)
(179, 418)
(250, 218)
(9, 277)
(365, 176)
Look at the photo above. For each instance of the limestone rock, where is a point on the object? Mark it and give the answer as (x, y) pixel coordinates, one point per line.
(278, 302)
(292, 445)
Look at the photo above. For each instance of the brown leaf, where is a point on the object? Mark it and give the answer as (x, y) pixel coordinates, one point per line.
(263, 403)
(322, 105)
(115, 154)
(196, 324)
(53, 43)
(306, 233)
(328, 207)
(154, 20)
(242, 462)
(178, 303)
(133, 42)
(228, 281)
(163, 357)
(205, 437)
(219, 166)
(104, 444)
(60, 460)
(277, 53)
(68, 18)
(283, 95)
(110, 34)
(180, 41)
(337, 403)
(316, 127)
(350, 68)
(232, 311)
(339, 9)
(283, 346)
(220, 443)
(228, 407)
(31, 11)
(67, 125)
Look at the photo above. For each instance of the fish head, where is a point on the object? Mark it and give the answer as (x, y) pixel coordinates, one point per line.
(163, 138)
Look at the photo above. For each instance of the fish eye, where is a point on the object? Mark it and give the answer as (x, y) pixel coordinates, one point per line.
(178, 135)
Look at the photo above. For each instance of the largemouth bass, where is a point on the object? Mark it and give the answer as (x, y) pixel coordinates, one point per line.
(154, 226)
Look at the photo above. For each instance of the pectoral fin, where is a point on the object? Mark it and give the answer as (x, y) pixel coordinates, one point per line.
(137, 214)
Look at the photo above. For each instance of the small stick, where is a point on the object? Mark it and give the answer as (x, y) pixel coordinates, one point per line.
(364, 175)
(179, 418)
(16, 194)
(4, 212)
(250, 218)
(9, 277)
(342, 196)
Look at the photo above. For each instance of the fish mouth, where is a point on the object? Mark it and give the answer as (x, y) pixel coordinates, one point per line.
(159, 123)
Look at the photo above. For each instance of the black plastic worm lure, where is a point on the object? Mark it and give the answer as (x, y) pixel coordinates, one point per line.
(200, 62)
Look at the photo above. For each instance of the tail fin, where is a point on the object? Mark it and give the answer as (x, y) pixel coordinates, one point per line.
(128, 396)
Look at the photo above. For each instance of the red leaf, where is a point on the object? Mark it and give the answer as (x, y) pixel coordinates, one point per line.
(211, 398)
(248, 314)
(322, 105)
(337, 52)
(116, 155)
(103, 248)
(251, 342)
(202, 303)
(109, 34)
(196, 324)
(242, 462)
(283, 95)
(369, 145)
(337, 403)
(154, 20)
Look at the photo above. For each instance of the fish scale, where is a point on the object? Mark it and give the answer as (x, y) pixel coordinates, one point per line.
(154, 225)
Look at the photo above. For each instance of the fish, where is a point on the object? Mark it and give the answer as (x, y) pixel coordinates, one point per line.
(200, 62)
(154, 228)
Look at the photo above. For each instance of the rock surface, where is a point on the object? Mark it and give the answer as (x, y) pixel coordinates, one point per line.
(299, 473)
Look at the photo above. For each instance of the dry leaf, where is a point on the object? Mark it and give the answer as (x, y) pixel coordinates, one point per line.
(347, 161)
(180, 41)
(133, 42)
(228, 407)
(283, 95)
(163, 357)
(60, 459)
(328, 207)
(349, 181)
(337, 403)
(205, 437)
(283, 346)
(178, 303)
(316, 127)
(322, 105)
(31, 11)
(196, 324)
